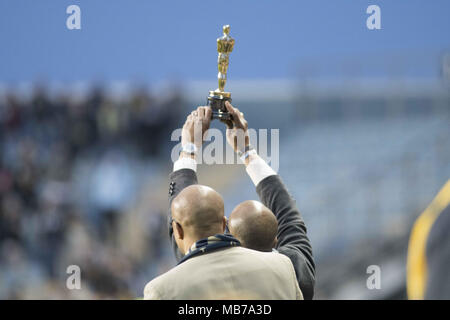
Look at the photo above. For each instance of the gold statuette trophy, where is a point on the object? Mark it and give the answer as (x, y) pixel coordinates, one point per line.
(217, 98)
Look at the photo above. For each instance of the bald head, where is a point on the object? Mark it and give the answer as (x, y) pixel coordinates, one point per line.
(254, 225)
(199, 210)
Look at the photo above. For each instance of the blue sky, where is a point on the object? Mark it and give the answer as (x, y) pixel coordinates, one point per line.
(156, 40)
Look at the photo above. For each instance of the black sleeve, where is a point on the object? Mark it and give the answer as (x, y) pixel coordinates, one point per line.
(179, 180)
(292, 239)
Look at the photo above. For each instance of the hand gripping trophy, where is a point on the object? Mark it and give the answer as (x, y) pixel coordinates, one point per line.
(217, 98)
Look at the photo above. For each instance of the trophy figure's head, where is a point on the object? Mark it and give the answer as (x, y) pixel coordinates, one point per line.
(218, 97)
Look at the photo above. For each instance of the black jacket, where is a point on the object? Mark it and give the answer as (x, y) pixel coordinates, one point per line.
(292, 239)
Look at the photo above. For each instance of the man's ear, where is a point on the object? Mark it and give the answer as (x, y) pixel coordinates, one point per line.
(275, 242)
(224, 226)
(178, 231)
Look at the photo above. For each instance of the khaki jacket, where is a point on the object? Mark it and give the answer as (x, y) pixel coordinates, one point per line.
(230, 273)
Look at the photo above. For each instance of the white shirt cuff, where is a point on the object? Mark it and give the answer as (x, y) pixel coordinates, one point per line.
(258, 170)
(185, 163)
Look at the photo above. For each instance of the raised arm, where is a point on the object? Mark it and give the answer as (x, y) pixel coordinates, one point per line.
(184, 169)
(292, 236)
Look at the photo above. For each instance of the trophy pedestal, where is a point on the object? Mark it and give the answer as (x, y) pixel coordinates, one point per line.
(216, 100)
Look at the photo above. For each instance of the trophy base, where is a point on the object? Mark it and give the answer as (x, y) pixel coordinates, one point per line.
(216, 100)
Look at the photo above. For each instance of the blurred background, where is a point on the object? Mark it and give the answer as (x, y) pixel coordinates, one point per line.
(86, 117)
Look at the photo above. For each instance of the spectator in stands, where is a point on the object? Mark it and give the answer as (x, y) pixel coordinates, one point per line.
(42, 223)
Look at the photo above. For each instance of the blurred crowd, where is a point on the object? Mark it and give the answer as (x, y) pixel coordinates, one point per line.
(43, 226)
